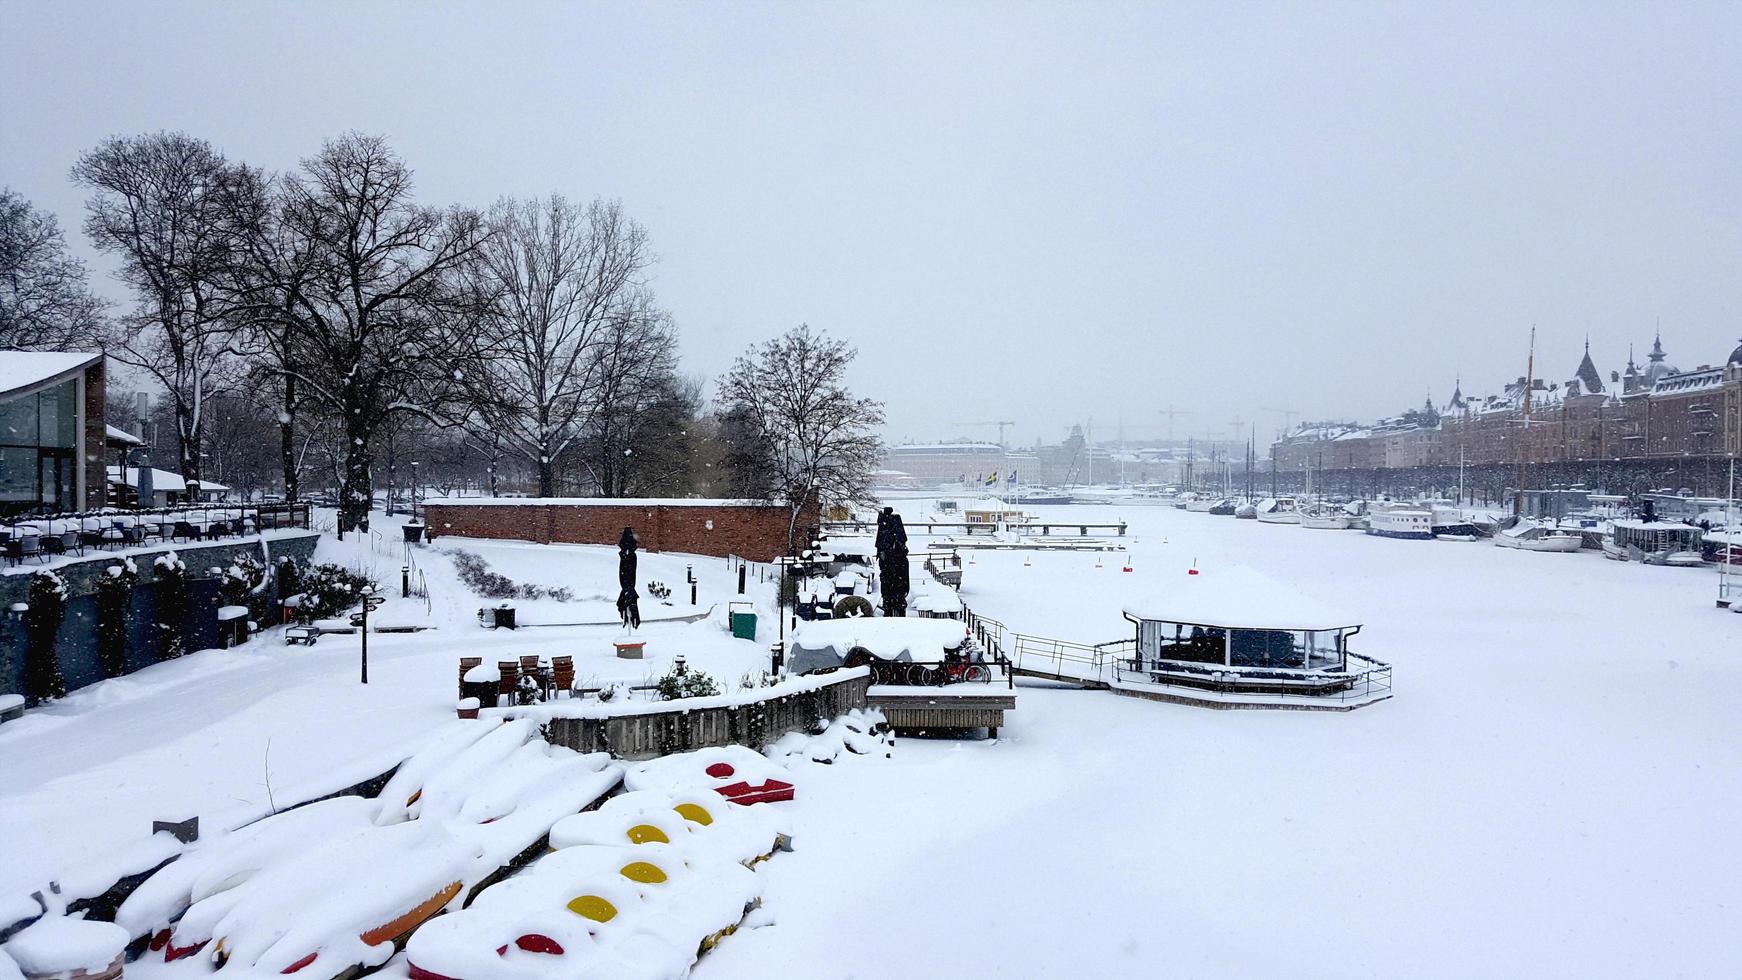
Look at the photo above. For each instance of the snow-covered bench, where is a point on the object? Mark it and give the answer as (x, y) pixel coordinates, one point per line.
(11, 707)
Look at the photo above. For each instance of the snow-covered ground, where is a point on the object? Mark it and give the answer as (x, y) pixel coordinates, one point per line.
(225, 733)
(1552, 792)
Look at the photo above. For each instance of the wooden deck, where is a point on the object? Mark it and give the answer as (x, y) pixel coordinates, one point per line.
(951, 707)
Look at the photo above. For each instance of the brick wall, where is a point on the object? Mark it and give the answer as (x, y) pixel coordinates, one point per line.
(754, 531)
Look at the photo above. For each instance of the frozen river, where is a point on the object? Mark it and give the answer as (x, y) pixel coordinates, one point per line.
(1552, 792)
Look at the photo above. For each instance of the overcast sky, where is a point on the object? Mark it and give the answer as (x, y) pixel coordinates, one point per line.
(1036, 212)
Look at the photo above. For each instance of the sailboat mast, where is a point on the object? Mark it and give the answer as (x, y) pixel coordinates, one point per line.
(1524, 443)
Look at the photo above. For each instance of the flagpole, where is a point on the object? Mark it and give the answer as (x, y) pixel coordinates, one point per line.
(1729, 536)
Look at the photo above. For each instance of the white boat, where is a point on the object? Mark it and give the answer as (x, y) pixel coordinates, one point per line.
(1530, 536)
(1327, 518)
(1202, 505)
(1278, 510)
(1654, 543)
(1401, 522)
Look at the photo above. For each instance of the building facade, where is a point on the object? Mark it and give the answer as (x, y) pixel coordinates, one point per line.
(51, 432)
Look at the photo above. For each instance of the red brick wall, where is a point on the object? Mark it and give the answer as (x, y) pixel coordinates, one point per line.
(754, 531)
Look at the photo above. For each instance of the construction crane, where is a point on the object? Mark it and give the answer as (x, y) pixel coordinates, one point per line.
(1000, 424)
(1288, 416)
(1172, 414)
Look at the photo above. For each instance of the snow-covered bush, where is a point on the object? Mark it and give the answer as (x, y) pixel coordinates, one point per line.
(476, 574)
(241, 580)
(328, 590)
(173, 597)
(114, 590)
(685, 684)
(48, 606)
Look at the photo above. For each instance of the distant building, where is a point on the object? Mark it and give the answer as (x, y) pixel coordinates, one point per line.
(52, 434)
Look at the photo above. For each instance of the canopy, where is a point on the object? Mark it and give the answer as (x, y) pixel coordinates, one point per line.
(826, 643)
(1237, 597)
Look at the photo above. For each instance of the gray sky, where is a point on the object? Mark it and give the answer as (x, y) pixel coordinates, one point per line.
(1035, 212)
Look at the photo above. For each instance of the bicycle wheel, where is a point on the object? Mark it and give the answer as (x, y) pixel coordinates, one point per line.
(977, 674)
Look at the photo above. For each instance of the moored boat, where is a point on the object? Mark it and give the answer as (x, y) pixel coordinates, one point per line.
(1278, 510)
(1326, 518)
(1401, 522)
(1654, 543)
(1527, 535)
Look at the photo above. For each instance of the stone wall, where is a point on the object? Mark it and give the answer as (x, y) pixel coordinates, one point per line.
(750, 530)
(76, 643)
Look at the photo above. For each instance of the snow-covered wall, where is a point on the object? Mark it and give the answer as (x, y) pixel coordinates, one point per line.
(76, 642)
(699, 527)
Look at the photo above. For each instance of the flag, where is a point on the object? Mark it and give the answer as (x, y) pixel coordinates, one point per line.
(1012, 477)
(992, 480)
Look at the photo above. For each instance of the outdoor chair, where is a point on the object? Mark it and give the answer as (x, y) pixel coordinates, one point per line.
(24, 546)
(467, 663)
(510, 671)
(562, 671)
(69, 541)
(183, 529)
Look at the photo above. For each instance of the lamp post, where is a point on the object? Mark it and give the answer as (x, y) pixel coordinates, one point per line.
(414, 483)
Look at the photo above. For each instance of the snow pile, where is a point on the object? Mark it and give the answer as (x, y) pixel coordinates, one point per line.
(826, 643)
(733, 771)
(860, 732)
(59, 944)
(643, 908)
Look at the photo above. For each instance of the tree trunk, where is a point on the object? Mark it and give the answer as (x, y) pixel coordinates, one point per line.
(287, 440)
(187, 442)
(356, 496)
(546, 476)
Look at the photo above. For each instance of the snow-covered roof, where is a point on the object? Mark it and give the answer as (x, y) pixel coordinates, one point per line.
(1239, 598)
(113, 434)
(23, 370)
(163, 480)
(923, 640)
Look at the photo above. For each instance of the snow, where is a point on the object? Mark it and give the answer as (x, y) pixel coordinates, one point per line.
(27, 369)
(900, 638)
(112, 434)
(57, 943)
(1235, 596)
(1543, 796)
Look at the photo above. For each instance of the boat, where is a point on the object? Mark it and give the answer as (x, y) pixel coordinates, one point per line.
(1449, 523)
(1245, 511)
(1654, 543)
(1528, 535)
(1326, 518)
(1199, 504)
(1278, 510)
(1223, 508)
(1401, 522)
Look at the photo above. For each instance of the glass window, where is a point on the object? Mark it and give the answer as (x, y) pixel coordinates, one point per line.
(18, 421)
(17, 475)
(58, 415)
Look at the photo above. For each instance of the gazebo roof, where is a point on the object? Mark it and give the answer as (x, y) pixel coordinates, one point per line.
(1236, 597)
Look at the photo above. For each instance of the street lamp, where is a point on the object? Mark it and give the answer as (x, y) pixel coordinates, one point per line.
(414, 489)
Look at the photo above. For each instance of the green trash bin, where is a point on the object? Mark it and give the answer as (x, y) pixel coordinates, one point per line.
(742, 621)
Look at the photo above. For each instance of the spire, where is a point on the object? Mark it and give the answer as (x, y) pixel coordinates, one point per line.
(1657, 353)
(1588, 377)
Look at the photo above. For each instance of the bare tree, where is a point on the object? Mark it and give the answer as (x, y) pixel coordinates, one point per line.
(45, 297)
(162, 204)
(385, 324)
(560, 276)
(634, 441)
(803, 438)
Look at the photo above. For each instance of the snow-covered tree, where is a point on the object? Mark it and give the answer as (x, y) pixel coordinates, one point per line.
(162, 204)
(565, 282)
(801, 434)
(45, 298)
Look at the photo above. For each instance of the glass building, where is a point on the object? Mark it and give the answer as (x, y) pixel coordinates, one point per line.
(42, 431)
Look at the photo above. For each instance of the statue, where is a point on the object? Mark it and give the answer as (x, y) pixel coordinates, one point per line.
(628, 603)
(892, 561)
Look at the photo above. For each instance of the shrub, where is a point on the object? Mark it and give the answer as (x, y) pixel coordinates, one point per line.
(241, 581)
(48, 606)
(476, 574)
(685, 684)
(328, 590)
(114, 590)
(659, 590)
(173, 599)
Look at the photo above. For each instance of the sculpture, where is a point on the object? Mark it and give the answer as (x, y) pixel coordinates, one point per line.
(628, 603)
(892, 562)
